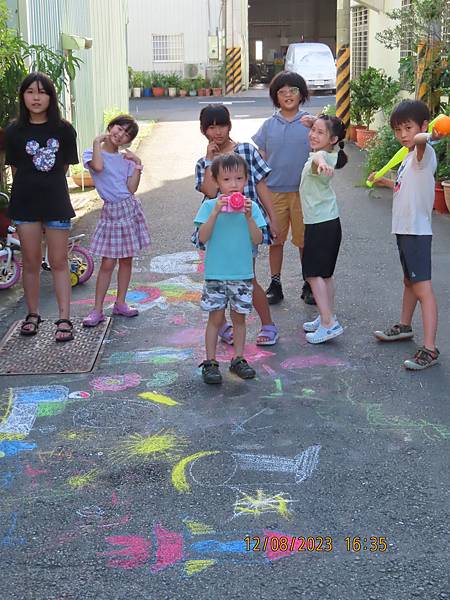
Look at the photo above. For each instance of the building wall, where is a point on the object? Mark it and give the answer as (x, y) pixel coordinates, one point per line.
(379, 56)
(101, 82)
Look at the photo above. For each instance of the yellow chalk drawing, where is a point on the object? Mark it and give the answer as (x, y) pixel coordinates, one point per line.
(8, 408)
(162, 445)
(197, 566)
(179, 479)
(197, 528)
(12, 436)
(76, 435)
(262, 503)
(78, 482)
(2, 454)
(159, 398)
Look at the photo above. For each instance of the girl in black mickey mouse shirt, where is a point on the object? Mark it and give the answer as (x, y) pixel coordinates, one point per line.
(39, 147)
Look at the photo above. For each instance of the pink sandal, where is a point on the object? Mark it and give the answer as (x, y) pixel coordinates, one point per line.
(124, 310)
(226, 333)
(93, 319)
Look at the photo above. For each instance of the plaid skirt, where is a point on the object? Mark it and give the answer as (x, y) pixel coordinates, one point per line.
(121, 231)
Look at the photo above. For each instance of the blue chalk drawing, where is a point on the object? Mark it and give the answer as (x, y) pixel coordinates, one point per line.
(11, 523)
(15, 447)
(231, 547)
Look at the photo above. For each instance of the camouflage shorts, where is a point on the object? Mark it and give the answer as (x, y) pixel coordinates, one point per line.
(217, 294)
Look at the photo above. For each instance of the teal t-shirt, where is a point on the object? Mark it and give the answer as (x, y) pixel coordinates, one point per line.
(229, 249)
(317, 196)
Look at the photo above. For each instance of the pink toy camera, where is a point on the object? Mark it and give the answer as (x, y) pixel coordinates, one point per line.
(235, 203)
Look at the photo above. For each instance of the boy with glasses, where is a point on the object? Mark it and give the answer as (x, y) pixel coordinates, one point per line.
(283, 142)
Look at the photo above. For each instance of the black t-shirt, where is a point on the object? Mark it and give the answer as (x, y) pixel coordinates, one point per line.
(39, 153)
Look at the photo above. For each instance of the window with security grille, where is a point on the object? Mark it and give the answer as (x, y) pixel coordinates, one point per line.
(360, 32)
(407, 38)
(168, 48)
(446, 24)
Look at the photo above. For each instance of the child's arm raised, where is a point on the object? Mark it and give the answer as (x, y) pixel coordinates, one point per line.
(320, 166)
(421, 139)
(255, 232)
(205, 230)
(96, 162)
(134, 179)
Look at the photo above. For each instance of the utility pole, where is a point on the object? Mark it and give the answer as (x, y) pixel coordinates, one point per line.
(343, 61)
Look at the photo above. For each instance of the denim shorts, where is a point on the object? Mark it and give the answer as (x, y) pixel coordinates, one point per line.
(63, 224)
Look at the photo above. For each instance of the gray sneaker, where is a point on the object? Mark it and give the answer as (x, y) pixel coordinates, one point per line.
(422, 359)
(395, 333)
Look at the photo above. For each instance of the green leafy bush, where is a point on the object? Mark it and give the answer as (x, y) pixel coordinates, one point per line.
(380, 150)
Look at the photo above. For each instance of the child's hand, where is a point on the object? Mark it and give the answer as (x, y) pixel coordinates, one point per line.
(212, 151)
(101, 138)
(132, 156)
(220, 203)
(308, 120)
(436, 136)
(248, 209)
(380, 181)
(324, 169)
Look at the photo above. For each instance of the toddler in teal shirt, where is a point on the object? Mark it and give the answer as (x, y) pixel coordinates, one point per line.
(229, 231)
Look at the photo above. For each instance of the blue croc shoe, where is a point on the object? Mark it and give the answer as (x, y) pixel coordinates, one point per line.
(322, 334)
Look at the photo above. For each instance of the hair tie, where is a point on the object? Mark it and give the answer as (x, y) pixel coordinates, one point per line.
(341, 145)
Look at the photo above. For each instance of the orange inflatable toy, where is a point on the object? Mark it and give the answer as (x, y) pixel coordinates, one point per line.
(442, 125)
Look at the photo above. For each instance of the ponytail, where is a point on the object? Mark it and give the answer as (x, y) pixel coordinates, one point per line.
(337, 128)
(342, 158)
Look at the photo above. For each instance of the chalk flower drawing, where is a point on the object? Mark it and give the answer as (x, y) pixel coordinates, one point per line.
(262, 503)
(78, 482)
(116, 383)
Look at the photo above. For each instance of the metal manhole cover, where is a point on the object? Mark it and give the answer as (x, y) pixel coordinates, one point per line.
(40, 354)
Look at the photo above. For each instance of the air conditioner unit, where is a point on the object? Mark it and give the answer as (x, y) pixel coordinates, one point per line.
(193, 70)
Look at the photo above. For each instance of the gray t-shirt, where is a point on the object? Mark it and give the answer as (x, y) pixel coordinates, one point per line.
(286, 146)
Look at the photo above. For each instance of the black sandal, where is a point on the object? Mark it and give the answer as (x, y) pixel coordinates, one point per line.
(28, 322)
(65, 330)
(241, 368)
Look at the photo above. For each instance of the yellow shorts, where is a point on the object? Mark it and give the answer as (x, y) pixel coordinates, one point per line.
(288, 209)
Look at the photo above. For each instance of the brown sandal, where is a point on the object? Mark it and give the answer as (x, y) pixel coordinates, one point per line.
(65, 330)
(24, 327)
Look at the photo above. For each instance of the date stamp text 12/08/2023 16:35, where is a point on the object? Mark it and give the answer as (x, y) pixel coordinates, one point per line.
(284, 543)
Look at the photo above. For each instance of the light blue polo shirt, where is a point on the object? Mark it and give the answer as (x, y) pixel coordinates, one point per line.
(286, 145)
(229, 249)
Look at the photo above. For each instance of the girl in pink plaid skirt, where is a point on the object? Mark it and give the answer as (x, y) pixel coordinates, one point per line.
(121, 231)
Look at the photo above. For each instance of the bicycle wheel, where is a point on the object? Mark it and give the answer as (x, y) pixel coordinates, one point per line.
(9, 275)
(81, 263)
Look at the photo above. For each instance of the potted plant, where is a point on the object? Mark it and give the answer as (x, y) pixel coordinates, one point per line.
(138, 77)
(442, 175)
(200, 84)
(217, 83)
(368, 93)
(208, 90)
(130, 82)
(172, 83)
(81, 176)
(184, 87)
(380, 150)
(147, 84)
(158, 83)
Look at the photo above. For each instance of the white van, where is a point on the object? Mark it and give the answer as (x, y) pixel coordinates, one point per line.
(315, 63)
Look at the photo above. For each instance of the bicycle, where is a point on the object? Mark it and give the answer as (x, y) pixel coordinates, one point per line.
(81, 263)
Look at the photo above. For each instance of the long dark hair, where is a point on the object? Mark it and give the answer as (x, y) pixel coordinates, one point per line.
(337, 128)
(44, 81)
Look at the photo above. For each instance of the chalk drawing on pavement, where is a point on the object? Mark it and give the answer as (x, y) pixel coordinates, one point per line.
(155, 356)
(158, 398)
(117, 414)
(162, 379)
(244, 427)
(116, 383)
(261, 503)
(163, 445)
(178, 262)
(8, 524)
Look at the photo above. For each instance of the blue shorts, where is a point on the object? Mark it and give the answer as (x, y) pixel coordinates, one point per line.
(415, 256)
(63, 224)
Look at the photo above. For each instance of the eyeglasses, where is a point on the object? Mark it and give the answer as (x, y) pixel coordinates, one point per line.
(295, 91)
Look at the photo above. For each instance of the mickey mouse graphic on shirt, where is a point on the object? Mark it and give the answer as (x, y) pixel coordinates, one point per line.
(43, 158)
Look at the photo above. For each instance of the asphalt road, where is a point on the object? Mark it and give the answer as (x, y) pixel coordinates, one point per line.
(148, 484)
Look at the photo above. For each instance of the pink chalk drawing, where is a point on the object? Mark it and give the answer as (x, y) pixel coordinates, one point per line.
(116, 383)
(252, 353)
(308, 362)
(178, 320)
(196, 554)
(169, 550)
(189, 336)
(135, 551)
